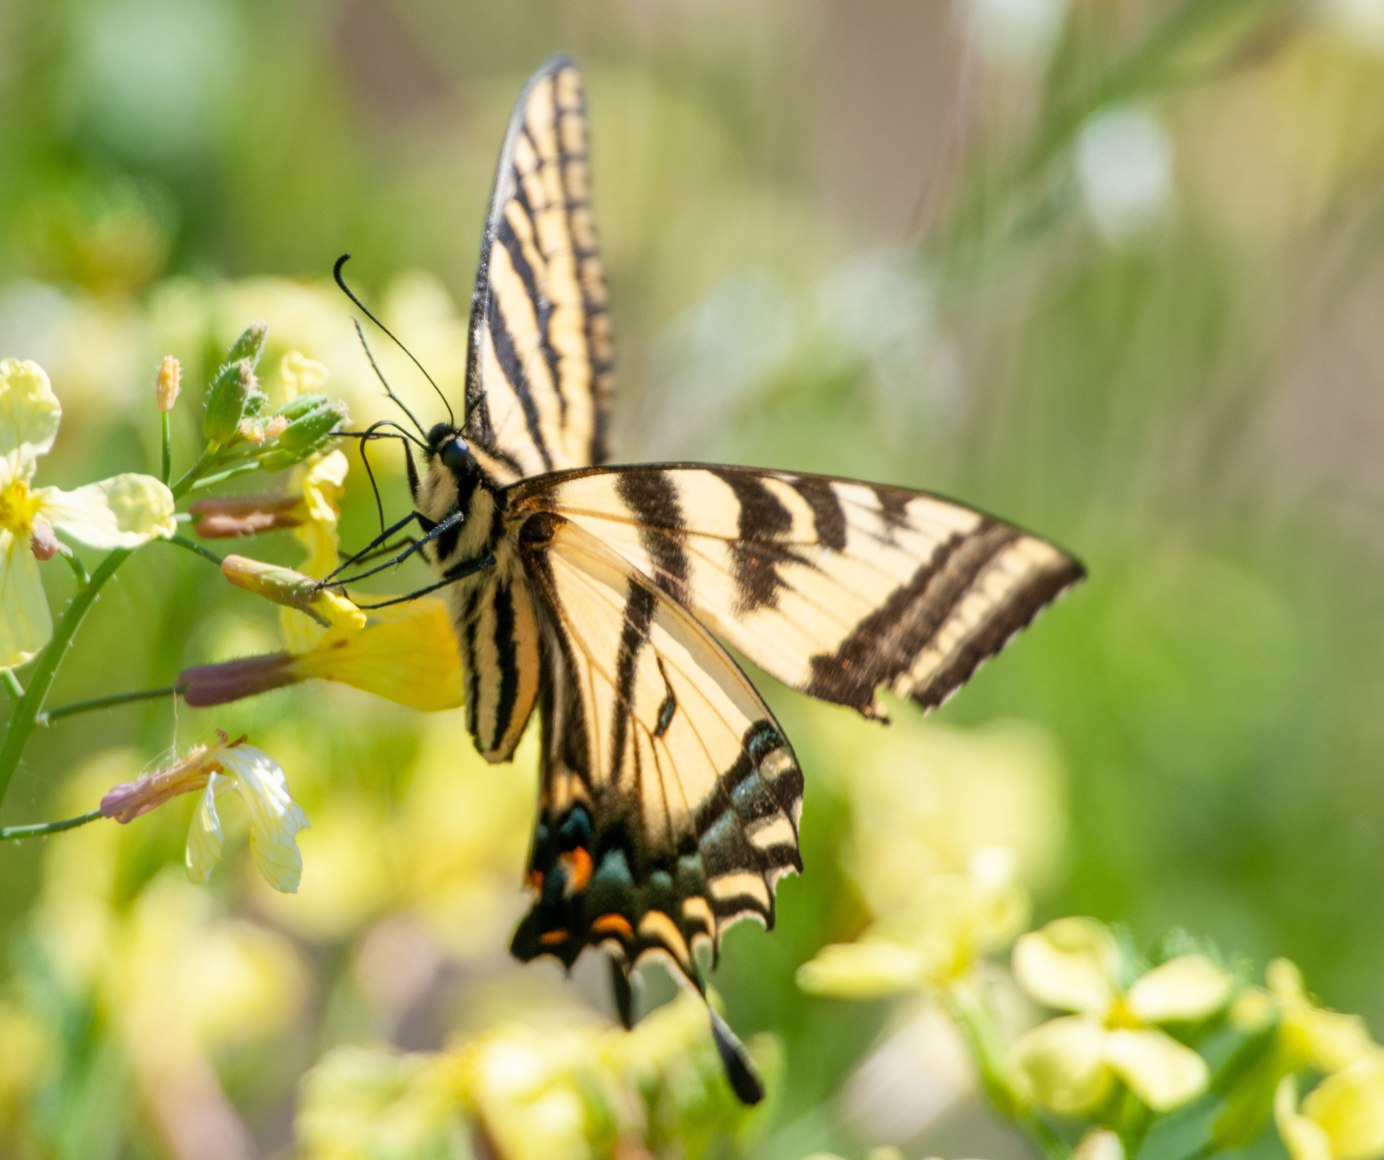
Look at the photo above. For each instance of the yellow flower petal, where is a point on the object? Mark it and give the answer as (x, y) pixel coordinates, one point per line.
(29, 414)
(1349, 1108)
(1061, 1064)
(121, 512)
(322, 485)
(1069, 964)
(862, 970)
(408, 653)
(1159, 1070)
(1185, 988)
(1304, 1139)
(25, 621)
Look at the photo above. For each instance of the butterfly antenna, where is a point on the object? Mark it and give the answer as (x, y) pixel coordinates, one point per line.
(341, 283)
(379, 374)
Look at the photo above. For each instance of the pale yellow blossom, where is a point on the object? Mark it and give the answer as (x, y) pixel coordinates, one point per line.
(937, 943)
(121, 512)
(1071, 1063)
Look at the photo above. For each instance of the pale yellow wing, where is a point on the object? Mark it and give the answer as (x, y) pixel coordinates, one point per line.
(835, 587)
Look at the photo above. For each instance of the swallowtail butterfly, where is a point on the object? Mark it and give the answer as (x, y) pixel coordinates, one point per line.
(604, 598)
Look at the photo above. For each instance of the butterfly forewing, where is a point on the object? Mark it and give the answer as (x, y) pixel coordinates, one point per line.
(539, 378)
(670, 798)
(835, 587)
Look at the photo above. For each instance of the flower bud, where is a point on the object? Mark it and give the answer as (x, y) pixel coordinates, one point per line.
(231, 391)
(293, 590)
(250, 345)
(226, 517)
(219, 684)
(167, 383)
(311, 421)
(308, 427)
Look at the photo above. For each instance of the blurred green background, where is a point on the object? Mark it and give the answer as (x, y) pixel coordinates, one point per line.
(1114, 271)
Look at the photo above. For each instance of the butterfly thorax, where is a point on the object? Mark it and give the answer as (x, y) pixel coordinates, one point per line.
(462, 506)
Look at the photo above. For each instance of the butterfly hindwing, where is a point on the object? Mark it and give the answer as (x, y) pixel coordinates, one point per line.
(669, 797)
(539, 372)
(834, 587)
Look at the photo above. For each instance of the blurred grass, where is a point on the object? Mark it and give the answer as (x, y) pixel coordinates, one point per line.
(839, 241)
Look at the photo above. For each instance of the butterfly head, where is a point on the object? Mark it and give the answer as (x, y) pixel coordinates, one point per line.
(445, 442)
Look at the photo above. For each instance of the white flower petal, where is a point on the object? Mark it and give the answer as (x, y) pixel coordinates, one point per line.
(1062, 1066)
(1159, 1070)
(29, 414)
(121, 512)
(1186, 988)
(275, 818)
(25, 621)
(1069, 964)
(204, 837)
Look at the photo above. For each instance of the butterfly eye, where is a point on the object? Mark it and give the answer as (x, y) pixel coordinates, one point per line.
(456, 456)
(439, 434)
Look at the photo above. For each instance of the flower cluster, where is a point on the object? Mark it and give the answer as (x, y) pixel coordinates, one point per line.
(405, 652)
(1135, 1042)
(521, 1093)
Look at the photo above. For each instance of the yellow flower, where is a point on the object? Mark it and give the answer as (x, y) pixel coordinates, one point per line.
(1070, 1064)
(1342, 1118)
(405, 653)
(275, 818)
(121, 512)
(955, 920)
(1307, 1035)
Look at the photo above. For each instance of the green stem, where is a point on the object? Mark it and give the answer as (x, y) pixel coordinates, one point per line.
(78, 568)
(223, 476)
(166, 440)
(12, 685)
(194, 546)
(189, 477)
(39, 829)
(972, 1016)
(27, 709)
(75, 707)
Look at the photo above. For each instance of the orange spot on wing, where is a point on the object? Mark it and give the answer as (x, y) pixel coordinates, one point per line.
(578, 864)
(616, 924)
(534, 881)
(551, 938)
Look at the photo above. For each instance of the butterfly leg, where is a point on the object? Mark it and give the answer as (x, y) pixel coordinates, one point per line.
(458, 571)
(414, 547)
